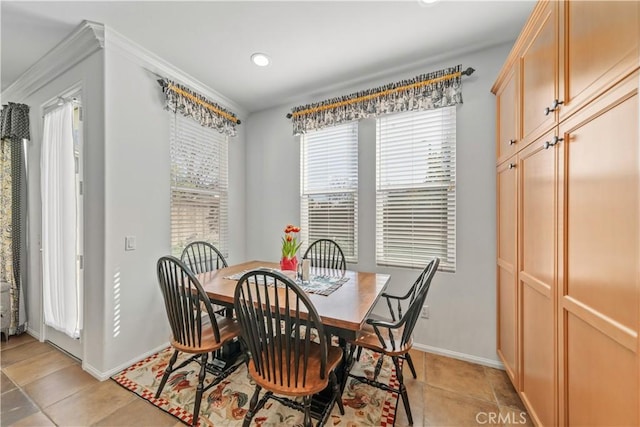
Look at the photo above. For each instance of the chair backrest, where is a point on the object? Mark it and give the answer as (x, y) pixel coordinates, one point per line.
(326, 253)
(271, 309)
(201, 257)
(422, 286)
(424, 279)
(184, 299)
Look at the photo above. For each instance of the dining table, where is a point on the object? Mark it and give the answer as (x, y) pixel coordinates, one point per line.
(343, 311)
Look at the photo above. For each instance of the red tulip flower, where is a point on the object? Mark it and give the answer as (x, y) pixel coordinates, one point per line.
(290, 243)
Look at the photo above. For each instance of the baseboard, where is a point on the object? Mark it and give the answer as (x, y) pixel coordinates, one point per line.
(102, 376)
(33, 333)
(461, 356)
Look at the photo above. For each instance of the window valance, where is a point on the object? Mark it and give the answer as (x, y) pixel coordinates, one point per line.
(424, 92)
(14, 122)
(191, 104)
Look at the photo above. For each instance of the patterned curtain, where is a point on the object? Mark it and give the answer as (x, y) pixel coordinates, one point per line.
(190, 104)
(425, 92)
(14, 128)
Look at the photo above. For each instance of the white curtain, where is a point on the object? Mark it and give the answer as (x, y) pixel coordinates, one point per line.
(61, 293)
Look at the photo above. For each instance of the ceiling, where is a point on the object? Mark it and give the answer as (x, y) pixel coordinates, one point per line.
(315, 46)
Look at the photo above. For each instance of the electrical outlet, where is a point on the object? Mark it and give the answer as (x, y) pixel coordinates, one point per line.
(425, 312)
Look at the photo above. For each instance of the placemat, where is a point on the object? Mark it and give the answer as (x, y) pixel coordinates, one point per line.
(318, 284)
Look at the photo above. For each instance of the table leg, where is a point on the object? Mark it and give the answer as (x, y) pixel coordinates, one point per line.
(344, 369)
(230, 352)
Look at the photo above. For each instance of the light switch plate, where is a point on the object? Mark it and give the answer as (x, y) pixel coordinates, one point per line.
(130, 243)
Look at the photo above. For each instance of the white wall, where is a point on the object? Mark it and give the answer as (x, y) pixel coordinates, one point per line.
(462, 304)
(137, 203)
(88, 75)
(127, 178)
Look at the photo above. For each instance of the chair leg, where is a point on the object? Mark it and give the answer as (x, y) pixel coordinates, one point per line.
(352, 350)
(410, 362)
(253, 404)
(403, 390)
(378, 367)
(167, 372)
(200, 388)
(336, 391)
(307, 412)
(359, 354)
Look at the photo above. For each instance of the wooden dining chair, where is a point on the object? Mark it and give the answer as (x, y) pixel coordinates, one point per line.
(202, 257)
(326, 253)
(423, 279)
(276, 319)
(194, 325)
(394, 337)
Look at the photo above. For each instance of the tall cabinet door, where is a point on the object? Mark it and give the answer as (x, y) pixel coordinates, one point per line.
(507, 267)
(600, 274)
(600, 44)
(537, 277)
(539, 73)
(508, 113)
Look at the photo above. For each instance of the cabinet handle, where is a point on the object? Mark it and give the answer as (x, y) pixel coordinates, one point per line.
(512, 141)
(554, 107)
(552, 143)
(512, 165)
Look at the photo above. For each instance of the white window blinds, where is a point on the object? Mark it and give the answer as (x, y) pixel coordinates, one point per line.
(416, 188)
(199, 185)
(329, 187)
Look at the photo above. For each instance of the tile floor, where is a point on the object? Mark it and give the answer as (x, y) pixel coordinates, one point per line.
(42, 386)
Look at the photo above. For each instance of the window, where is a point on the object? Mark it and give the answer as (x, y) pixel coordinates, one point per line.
(199, 185)
(329, 187)
(416, 188)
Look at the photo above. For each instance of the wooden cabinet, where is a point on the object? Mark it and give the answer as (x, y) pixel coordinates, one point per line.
(600, 263)
(571, 323)
(539, 72)
(600, 45)
(569, 53)
(537, 277)
(507, 296)
(507, 105)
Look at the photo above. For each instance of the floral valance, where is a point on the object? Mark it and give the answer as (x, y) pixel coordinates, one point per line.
(14, 122)
(425, 92)
(190, 104)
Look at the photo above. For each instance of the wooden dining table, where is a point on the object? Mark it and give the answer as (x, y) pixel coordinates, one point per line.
(343, 312)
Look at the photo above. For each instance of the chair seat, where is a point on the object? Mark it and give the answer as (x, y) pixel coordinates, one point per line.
(313, 384)
(367, 338)
(229, 329)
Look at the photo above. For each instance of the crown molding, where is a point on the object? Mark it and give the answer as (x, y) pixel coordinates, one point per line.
(84, 40)
(148, 60)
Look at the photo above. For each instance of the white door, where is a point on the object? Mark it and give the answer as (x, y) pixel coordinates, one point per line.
(62, 309)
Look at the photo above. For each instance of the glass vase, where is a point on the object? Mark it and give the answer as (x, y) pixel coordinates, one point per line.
(289, 264)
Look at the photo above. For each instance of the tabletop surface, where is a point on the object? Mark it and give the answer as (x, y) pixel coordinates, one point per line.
(345, 308)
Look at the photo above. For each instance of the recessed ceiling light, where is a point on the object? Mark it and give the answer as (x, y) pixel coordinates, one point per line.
(429, 1)
(260, 59)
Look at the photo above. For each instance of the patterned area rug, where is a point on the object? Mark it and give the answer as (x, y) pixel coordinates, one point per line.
(226, 404)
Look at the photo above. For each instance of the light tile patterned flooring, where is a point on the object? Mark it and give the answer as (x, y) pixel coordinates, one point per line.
(42, 386)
